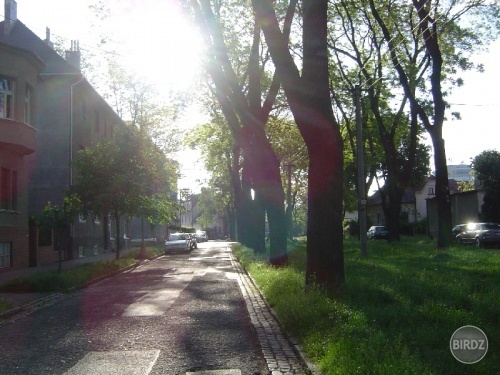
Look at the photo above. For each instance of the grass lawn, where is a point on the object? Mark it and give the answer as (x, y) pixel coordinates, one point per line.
(401, 306)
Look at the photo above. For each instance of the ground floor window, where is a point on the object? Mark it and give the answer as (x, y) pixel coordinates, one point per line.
(5, 257)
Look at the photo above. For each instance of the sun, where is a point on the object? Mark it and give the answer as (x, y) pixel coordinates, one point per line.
(158, 43)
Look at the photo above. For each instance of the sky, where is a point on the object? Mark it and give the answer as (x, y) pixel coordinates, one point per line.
(170, 61)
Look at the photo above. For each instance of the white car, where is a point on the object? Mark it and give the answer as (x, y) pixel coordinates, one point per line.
(180, 241)
(201, 236)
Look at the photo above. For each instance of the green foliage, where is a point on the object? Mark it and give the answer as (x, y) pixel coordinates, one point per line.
(54, 217)
(399, 310)
(221, 156)
(127, 176)
(4, 306)
(464, 186)
(486, 168)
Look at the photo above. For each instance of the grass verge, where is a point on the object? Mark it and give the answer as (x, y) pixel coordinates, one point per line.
(54, 281)
(400, 307)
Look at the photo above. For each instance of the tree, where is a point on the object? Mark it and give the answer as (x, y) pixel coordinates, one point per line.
(434, 27)
(292, 153)
(124, 177)
(246, 115)
(396, 128)
(308, 95)
(486, 168)
(221, 156)
(58, 220)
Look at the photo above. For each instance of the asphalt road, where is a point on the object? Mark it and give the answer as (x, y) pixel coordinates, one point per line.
(181, 313)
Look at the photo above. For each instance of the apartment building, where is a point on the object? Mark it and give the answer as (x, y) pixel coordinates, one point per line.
(56, 112)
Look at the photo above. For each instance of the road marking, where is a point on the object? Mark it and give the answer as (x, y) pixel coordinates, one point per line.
(116, 363)
(156, 303)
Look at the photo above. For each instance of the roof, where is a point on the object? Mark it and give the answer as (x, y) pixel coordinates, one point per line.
(408, 197)
(22, 37)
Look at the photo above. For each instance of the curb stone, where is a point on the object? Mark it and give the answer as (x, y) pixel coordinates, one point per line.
(276, 365)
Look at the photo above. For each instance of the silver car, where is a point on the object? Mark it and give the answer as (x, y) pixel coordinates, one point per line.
(180, 241)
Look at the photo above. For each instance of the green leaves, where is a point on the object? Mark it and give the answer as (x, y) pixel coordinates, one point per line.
(127, 175)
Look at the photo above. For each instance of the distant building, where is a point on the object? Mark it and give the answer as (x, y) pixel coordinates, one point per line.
(413, 202)
(459, 172)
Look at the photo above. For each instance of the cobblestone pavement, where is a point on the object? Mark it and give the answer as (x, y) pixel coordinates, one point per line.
(282, 357)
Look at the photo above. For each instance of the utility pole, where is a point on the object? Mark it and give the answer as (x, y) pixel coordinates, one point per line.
(361, 174)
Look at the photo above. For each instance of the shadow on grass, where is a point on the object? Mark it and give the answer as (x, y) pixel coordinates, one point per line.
(399, 310)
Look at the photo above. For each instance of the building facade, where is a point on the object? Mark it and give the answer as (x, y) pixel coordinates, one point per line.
(18, 87)
(49, 112)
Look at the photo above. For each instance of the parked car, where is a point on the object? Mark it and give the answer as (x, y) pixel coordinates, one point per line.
(457, 229)
(180, 241)
(377, 232)
(481, 234)
(201, 236)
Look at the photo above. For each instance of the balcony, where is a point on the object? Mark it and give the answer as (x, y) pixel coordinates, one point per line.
(17, 137)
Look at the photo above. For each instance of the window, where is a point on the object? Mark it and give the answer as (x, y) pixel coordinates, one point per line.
(14, 191)
(27, 105)
(5, 189)
(430, 191)
(6, 98)
(5, 257)
(8, 189)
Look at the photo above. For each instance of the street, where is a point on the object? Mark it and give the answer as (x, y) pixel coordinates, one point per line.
(180, 313)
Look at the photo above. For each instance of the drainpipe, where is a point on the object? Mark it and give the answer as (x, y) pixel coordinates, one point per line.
(71, 227)
(82, 78)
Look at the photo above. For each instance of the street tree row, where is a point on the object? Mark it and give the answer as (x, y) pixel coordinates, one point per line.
(309, 55)
(126, 177)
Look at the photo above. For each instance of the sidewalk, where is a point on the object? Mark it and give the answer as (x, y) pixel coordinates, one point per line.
(66, 264)
(18, 299)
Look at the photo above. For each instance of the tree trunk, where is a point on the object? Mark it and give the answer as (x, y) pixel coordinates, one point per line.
(391, 205)
(265, 178)
(309, 100)
(118, 243)
(105, 231)
(325, 256)
(442, 190)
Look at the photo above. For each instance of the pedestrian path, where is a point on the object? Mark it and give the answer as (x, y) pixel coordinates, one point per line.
(66, 264)
(282, 357)
(24, 299)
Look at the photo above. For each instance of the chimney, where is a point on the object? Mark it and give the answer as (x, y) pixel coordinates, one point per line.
(73, 56)
(10, 16)
(47, 38)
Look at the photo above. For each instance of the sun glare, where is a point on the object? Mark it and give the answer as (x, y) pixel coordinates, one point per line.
(158, 43)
